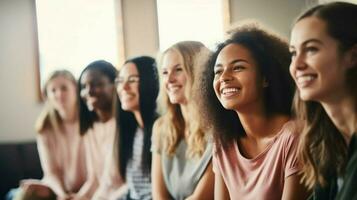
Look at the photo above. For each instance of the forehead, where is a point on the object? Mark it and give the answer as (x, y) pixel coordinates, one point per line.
(92, 74)
(308, 28)
(171, 58)
(233, 52)
(128, 69)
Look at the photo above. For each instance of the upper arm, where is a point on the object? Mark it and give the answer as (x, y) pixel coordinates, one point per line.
(205, 187)
(220, 188)
(159, 190)
(294, 189)
(46, 156)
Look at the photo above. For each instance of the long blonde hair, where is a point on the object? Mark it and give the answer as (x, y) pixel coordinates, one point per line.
(171, 125)
(49, 118)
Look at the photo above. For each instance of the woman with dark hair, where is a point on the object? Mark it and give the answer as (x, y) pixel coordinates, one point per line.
(182, 151)
(97, 109)
(324, 66)
(137, 87)
(248, 109)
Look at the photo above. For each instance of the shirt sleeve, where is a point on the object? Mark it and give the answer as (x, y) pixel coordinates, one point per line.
(292, 164)
(51, 170)
(155, 138)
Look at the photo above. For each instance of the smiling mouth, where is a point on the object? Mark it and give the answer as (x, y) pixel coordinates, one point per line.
(174, 89)
(305, 80)
(229, 91)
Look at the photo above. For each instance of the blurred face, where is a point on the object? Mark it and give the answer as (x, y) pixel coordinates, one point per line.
(317, 66)
(174, 77)
(96, 90)
(61, 93)
(128, 87)
(236, 81)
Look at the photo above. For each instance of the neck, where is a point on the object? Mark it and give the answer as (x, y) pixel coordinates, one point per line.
(139, 119)
(68, 115)
(258, 126)
(342, 114)
(104, 115)
(185, 113)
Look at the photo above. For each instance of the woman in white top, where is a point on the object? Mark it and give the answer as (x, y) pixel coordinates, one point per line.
(138, 87)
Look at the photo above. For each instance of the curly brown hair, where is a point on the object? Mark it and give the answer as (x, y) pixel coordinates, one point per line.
(273, 58)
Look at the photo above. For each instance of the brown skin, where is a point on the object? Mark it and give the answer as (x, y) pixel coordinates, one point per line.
(98, 93)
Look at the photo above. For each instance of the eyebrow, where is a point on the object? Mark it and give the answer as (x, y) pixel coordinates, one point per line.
(232, 62)
(308, 41)
(165, 68)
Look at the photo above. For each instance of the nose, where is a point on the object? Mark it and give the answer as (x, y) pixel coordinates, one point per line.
(298, 62)
(125, 85)
(171, 77)
(226, 76)
(89, 90)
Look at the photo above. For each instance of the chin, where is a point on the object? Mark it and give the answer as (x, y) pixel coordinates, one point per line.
(306, 96)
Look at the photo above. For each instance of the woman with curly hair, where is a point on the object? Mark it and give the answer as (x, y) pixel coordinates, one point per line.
(324, 66)
(249, 110)
(181, 165)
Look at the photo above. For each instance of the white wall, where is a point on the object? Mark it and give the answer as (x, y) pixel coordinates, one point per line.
(140, 27)
(19, 106)
(275, 14)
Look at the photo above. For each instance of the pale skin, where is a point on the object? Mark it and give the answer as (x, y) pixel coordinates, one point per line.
(316, 54)
(174, 78)
(61, 94)
(239, 87)
(128, 90)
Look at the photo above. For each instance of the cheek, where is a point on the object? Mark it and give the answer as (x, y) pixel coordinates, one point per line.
(215, 86)
(291, 70)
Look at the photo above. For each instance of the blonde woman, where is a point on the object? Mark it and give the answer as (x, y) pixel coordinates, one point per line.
(181, 165)
(59, 143)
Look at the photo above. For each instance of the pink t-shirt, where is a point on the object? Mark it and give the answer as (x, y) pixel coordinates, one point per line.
(62, 158)
(104, 180)
(261, 177)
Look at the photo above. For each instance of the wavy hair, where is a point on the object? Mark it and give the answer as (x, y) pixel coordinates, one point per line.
(320, 160)
(273, 58)
(172, 124)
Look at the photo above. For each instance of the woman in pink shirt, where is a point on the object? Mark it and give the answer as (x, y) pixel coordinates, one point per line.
(248, 108)
(59, 144)
(97, 109)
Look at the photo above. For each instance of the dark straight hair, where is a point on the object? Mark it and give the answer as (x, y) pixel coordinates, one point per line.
(148, 92)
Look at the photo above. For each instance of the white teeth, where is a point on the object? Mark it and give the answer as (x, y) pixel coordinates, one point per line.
(306, 78)
(225, 91)
(174, 88)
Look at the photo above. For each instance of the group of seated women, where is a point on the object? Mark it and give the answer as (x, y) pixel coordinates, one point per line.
(258, 118)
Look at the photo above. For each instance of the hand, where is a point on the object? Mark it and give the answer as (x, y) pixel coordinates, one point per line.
(36, 190)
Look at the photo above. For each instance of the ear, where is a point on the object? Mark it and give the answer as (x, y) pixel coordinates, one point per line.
(265, 83)
(352, 57)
